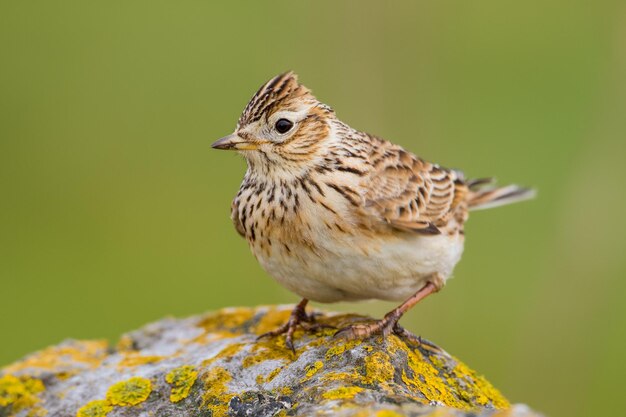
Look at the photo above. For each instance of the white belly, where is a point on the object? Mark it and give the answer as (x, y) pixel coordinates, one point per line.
(390, 269)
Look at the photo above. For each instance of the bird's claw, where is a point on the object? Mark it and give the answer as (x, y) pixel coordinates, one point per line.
(288, 329)
(418, 340)
(363, 331)
(297, 318)
(384, 327)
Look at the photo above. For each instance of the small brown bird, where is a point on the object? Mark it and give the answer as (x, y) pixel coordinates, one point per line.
(334, 214)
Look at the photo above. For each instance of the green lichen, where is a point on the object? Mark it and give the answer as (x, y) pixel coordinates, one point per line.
(96, 408)
(131, 392)
(181, 379)
(342, 393)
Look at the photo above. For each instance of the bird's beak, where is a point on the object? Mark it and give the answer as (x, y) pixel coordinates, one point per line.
(234, 142)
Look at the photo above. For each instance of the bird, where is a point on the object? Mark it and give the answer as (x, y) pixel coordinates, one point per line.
(336, 214)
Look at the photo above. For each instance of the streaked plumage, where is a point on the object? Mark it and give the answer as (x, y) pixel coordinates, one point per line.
(336, 214)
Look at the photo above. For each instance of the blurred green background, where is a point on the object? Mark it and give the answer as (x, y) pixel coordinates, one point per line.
(114, 211)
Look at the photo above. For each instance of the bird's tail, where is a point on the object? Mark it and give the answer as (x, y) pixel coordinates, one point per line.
(483, 194)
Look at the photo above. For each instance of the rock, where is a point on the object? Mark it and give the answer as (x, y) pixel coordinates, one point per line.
(212, 365)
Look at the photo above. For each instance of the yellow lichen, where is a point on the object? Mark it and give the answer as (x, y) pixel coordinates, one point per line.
(508, 412)
(315, 342)
(426, 380)
(19, 392)
(181, 379)
(340, 348)
(229, 320)
(378, 370)
(476, 388)
(90, 353)
(125, 344)
(427, 375)
(393, 345)
(133, 391)
(312, 369)
(261, 379)
(345, 378)
(388, 413)
(273, 374)
(342, 393)
(438, 362)
(230, 351)
(429, 378)
(63, 375)
(226, 354)
(217, 397)
(96, 408)
(360, 413)
(265, 350)
(133, 359)
(273, 319)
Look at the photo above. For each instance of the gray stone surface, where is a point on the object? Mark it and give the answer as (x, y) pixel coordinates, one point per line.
(212, 365)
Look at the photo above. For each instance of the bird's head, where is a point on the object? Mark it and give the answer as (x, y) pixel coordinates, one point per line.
(283, 129)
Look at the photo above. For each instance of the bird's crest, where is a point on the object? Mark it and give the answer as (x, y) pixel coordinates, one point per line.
(275, 93)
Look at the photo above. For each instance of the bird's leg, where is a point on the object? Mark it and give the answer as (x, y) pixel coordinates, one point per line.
(389, 324)
(298, 317)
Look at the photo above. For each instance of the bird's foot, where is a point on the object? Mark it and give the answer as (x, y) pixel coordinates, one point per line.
(418, 340)
(385, 327)
(298, 317)
(389, 324)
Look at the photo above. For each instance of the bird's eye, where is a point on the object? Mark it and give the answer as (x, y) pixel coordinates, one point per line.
(283, 125)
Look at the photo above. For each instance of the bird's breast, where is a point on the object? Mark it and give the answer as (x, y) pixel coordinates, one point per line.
(357, 267)
(303, 213)
(316, 242)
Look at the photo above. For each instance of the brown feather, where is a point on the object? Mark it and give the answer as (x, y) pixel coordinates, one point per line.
(409, 193)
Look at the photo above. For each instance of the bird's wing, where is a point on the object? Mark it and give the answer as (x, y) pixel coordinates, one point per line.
(409, 193)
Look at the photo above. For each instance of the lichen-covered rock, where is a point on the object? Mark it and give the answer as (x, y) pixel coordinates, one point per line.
(213, 365)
